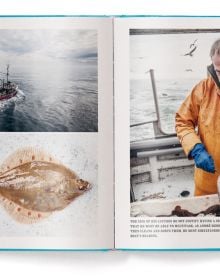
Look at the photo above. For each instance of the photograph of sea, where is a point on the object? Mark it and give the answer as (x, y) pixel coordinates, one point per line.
(48, 80)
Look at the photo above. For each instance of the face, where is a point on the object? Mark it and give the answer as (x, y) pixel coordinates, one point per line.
(216, 61)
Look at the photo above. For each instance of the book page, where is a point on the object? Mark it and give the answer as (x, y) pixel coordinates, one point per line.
(56, 128)
(163, 87)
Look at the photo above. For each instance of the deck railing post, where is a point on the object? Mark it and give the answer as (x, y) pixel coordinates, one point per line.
(154, 171)
(156, 124)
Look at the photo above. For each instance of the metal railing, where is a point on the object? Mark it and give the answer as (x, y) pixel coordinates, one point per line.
(164, 145)
(158, 130)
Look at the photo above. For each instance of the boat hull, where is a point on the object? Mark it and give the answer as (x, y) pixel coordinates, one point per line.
(7, 94)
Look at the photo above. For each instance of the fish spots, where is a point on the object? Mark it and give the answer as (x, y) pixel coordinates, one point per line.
(20, 161)
(33, 157)
(29, 213)
(18, 209)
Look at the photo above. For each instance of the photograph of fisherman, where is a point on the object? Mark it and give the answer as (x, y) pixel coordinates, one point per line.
(197, 123)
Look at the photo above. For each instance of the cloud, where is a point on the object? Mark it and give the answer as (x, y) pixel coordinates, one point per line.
(17, 42)
(63, 44)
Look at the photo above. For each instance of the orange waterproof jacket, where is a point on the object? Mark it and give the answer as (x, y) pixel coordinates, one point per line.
(201, 109)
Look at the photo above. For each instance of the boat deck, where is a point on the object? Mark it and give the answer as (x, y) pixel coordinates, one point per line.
(173, 183)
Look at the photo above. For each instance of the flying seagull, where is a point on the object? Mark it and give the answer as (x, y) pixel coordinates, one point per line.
(192, 47)
(193, 44)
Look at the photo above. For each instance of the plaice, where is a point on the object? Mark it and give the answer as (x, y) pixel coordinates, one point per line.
(33, 184)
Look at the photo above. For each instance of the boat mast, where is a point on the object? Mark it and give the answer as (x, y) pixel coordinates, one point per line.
(7, 74)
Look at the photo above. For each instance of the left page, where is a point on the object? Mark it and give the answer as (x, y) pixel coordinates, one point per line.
(56, 133)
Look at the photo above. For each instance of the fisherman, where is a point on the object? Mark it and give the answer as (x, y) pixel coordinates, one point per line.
(198, 127)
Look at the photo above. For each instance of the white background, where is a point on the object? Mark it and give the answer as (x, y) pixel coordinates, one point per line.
(96, 265)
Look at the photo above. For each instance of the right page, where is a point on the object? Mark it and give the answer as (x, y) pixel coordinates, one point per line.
(167, 128)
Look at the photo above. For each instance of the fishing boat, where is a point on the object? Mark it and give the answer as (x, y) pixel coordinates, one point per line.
(7, 88)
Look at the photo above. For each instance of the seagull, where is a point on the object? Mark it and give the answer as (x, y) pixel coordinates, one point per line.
(191, 52)
(192, 47)
(193, 44)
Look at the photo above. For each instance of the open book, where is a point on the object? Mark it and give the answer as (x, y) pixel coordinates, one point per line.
(90, 158)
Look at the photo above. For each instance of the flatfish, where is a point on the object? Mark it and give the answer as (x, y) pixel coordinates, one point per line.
(33, 184)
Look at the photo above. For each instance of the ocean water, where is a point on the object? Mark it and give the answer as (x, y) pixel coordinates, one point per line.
(57, 96)
(170, 93)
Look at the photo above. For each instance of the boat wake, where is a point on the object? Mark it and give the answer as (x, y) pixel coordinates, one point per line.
(19, 96)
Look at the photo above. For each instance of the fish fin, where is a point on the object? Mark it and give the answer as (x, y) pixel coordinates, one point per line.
(21, 214)
(25, 155)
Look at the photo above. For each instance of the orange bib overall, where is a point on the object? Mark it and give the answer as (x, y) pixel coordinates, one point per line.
(201, 109)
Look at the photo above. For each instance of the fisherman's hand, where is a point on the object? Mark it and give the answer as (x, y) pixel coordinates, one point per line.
(202, 158)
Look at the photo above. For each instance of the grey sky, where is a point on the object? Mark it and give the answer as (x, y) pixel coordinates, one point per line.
(46, 44)
(165, 54)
